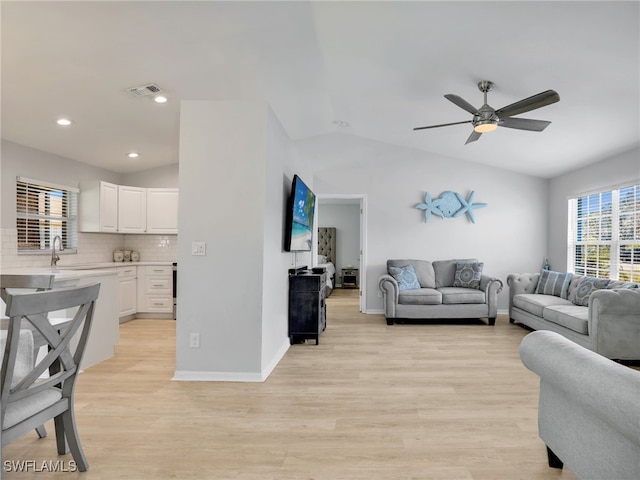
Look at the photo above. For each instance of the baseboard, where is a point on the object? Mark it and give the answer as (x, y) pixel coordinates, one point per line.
(201, 376)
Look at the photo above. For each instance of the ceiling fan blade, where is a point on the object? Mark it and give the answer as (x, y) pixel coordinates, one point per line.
(531, 103)
(442, 125)
(473, 137)
(524, 124)
(462, 103)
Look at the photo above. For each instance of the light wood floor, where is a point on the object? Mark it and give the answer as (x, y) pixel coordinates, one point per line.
(417, 401)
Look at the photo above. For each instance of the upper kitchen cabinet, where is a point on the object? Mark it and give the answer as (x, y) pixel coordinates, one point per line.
(98, 202)
(105, 207)
(132, 209)
(162, 210)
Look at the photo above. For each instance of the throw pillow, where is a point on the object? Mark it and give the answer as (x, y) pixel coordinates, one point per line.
(322, 259)
(468, 274)
(615, 284)
(586, 286)
(554, 283)
(406, 277)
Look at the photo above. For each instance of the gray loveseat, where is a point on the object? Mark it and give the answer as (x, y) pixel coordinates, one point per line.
(442, 289)
(599, 314)
(588, 413)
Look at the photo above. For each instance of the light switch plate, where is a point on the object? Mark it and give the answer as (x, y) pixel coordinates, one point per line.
(198, 248)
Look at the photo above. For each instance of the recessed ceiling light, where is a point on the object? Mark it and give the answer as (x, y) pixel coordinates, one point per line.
(160, 99)
(133, 155)
(64, 122)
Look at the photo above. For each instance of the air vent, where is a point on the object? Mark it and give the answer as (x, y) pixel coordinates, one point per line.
(145, 90)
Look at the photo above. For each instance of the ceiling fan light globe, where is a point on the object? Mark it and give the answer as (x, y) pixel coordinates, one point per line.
(485, 126)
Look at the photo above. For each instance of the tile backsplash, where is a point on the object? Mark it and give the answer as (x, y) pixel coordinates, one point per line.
(92, 248)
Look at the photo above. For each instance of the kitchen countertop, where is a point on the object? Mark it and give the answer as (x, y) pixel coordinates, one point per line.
(69, 272)
(90, 266)
(60, 274)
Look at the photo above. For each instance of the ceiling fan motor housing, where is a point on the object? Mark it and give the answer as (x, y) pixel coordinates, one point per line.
(485, 116)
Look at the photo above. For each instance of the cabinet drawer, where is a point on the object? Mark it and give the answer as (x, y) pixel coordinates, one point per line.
(126, 271)
(159, 304)
(159, 270)
(159, 285)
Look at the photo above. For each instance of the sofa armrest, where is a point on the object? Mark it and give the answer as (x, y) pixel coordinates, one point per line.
(491, 286)
(614, 323)
(521, 283)
(390, 290)
(588, 404)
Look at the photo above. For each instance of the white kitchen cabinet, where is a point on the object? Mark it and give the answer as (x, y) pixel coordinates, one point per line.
(106, 207)
(155, 290)
(98, 207)
(132, 209)
(162, 210)
(127, 288)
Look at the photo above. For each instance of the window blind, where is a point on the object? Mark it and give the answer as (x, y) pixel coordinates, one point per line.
(604, 234)
(44, 211)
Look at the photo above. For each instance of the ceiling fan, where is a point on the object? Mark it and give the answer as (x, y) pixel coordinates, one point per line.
(486, 119)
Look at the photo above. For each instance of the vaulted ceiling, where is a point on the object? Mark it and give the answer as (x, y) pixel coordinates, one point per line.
(381, 67)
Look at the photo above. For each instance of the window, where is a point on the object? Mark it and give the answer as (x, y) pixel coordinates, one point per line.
(604, 234)
(44, 211)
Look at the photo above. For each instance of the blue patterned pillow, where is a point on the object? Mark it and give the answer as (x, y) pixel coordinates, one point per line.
(468, 275)
(406, 277)
(586, 286)
(554, 283)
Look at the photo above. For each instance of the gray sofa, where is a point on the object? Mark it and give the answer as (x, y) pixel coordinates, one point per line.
(588, 413)
(445, 289)
(605, 320)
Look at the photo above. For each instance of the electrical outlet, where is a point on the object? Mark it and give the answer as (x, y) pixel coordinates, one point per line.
(194, 340)
(198, 248)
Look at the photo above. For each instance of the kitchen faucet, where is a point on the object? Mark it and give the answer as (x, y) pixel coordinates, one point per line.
(54, 256)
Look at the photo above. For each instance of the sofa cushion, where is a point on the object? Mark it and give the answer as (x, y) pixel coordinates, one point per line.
(585, 287)
(406, 277)
(535, 303)
(458, 295)
(574, 317)
(421, 296)
(554, 283)
(423, 268)
(468, 275)
(445, 271)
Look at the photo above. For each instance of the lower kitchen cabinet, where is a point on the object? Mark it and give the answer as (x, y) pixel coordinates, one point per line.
(155, 291)
(127, 286)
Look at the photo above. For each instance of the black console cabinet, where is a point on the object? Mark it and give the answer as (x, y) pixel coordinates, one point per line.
(307, 308)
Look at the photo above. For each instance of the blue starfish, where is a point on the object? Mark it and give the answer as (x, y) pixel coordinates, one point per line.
(430, 206)
(468, 206)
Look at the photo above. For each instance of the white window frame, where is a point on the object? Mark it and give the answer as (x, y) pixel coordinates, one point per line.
(38, 223)
(595, 223)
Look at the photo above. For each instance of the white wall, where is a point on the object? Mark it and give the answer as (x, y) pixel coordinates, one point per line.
(509, 234)
(18, 160)
(621, 169)
(346, 219)
(235, 166)
(163, 177)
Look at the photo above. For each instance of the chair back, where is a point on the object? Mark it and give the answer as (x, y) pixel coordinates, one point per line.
(56, 391)
(35, 282)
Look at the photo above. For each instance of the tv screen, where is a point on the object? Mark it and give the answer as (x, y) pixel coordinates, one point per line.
(299, 224)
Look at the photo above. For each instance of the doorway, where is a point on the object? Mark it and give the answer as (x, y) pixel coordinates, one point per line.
(351, 252)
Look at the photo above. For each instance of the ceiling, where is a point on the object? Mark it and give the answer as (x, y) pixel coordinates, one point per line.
(382, 67)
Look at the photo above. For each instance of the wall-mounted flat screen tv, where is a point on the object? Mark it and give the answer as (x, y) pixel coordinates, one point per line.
(299, 224)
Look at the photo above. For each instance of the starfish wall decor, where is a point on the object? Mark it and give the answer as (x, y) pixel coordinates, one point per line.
(449, 205)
